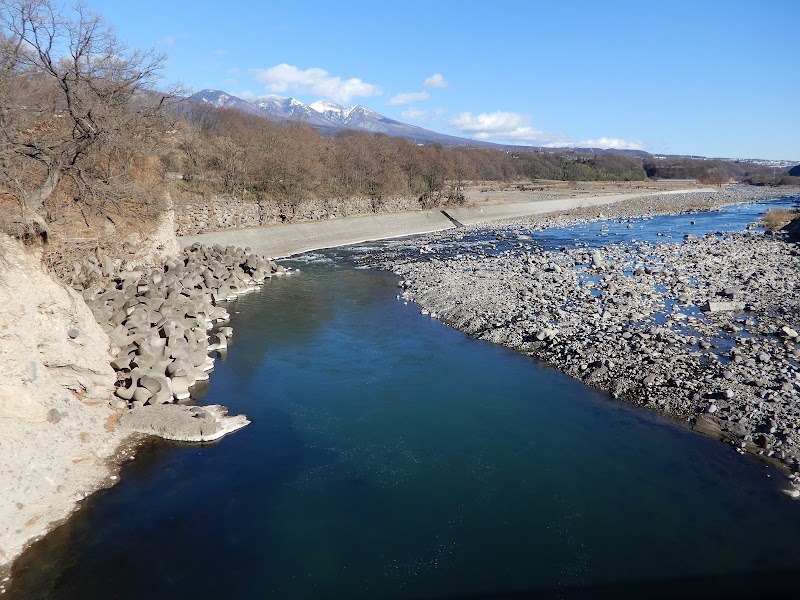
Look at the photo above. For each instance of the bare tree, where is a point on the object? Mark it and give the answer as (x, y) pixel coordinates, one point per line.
(69, 88)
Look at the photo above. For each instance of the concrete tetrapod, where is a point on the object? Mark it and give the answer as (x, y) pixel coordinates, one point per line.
(160, 318)
(183, 423)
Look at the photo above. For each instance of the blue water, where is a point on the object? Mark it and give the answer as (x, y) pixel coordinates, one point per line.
(592, 234)
(390, 456)
(660, 229)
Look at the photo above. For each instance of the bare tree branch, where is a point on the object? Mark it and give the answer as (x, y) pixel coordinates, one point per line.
(68, 87)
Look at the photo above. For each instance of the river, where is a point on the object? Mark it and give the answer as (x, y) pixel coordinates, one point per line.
(391, 456)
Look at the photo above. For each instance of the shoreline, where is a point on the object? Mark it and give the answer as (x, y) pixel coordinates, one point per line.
(116, 361)
(602, 331)
(282, 241)
(107, 473)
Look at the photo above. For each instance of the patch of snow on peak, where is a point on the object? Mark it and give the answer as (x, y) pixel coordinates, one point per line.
(323, 106)
(348, 111)
(270, 98)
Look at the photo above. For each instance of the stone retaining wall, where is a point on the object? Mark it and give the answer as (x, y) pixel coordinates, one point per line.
(198, 214)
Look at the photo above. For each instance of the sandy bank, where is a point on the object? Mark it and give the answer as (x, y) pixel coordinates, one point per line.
(472, 215)
(57, 432)
(285, 240)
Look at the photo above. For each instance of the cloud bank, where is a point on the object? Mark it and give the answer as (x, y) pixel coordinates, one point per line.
(610, 143)
(412, 114)
(436, 81)
(501, 126)
(516, 128)
(409, 97)
(288, 78)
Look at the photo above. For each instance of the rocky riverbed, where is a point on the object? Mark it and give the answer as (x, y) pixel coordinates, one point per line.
(704, 330)
(644, 206)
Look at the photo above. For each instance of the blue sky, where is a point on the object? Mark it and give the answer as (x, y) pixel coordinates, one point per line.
(702, 77)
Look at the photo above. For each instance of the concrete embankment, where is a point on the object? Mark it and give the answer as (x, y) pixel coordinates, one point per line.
(514, 210)
(285, 240)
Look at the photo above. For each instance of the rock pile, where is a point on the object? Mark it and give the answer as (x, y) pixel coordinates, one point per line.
(160, 318)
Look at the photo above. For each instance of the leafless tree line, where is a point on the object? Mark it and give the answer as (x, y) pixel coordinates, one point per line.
(229, 151)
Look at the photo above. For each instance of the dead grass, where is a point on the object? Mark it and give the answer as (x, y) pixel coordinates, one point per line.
(778, 218)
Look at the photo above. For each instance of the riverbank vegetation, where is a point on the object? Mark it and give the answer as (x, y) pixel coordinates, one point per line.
(79, 122)
(778, 218)
(227, 151)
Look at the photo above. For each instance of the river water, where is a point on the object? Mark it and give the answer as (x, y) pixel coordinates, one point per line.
(391, 456)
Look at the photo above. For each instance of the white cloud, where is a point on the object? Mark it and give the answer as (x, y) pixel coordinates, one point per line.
(610, 143)
(174, 38)
(501, 126)
(516, 128)
(409, 97)
(436, 80)
(496, 122)
(412, 114)
(288, 78)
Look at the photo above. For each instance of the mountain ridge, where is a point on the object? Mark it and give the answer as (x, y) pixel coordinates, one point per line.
(330, 118)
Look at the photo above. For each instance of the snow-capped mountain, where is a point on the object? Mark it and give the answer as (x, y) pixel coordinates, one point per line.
(287, 108)
(328, 117)
(223, 100)
(334, 113)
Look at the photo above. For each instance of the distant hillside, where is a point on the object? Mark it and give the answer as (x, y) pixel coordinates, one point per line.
(579, 150)
(329, 118)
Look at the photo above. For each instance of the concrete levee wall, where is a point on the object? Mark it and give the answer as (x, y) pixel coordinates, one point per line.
(200, 214)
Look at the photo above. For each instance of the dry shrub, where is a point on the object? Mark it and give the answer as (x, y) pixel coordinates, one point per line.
(147, 170)
(778, 218)
(20, 223)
